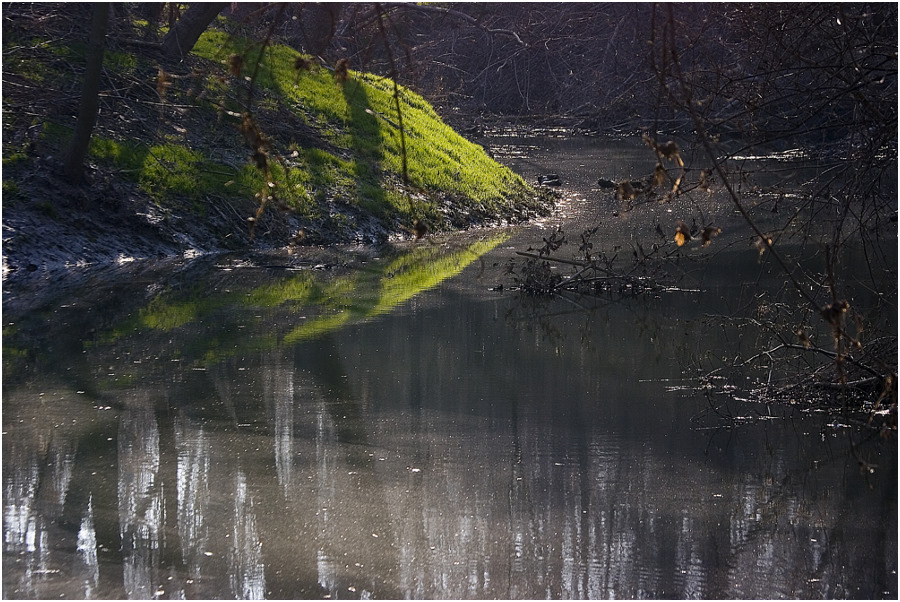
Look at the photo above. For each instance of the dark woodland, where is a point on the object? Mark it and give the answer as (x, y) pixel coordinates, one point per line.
(473, 300)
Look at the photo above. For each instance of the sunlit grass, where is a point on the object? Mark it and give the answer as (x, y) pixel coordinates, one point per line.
(301, 306)
(366, 295)
(161, 315)
(167, 170)
(360, 116)
(297, 289)
(354, 158)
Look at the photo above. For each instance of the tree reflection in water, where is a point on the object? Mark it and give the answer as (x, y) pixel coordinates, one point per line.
(141, 499)
(446, 448)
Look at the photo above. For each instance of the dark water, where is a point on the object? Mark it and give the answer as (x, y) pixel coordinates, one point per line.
(232, 429)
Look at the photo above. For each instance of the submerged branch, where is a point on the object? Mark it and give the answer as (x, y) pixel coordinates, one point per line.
(581, 264)
(537, 277)
(828, 353)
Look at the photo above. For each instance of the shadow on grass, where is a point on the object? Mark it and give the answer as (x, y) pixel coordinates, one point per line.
(364, 129)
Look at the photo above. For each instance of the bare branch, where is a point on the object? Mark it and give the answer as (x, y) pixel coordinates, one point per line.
(467, 18)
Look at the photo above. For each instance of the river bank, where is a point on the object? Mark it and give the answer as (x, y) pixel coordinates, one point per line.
(231, 149)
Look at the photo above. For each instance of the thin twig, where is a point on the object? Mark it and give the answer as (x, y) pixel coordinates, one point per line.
(707, 147)
(471, 20)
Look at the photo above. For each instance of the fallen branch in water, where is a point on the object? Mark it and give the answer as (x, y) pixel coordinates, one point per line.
(826, 352)
(537, 277)
(596, 273)
(582, 264)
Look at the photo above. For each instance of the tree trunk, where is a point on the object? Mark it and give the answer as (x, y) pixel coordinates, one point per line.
(182, 37)
(73, 160)
(153, 12)
(319, 24)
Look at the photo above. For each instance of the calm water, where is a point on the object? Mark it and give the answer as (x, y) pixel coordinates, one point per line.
(235, 429)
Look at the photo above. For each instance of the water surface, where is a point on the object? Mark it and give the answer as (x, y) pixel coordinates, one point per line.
(278, 428)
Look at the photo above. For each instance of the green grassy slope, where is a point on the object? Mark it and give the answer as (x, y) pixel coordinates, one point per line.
(259, 134)
(359, 161)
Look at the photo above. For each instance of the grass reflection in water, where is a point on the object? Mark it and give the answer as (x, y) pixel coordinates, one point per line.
(300, 305)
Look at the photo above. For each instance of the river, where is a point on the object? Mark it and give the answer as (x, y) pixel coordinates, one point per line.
(408, 427)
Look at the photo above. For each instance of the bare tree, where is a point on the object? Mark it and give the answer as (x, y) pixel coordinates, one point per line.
(816, 82)
(73, 161)
(188, 29)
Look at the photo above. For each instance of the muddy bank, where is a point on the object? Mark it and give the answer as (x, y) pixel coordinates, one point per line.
(58, 237)
(51, 227)
(53, 230)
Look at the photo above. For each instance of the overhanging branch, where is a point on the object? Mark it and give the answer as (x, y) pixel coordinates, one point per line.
(467, 18)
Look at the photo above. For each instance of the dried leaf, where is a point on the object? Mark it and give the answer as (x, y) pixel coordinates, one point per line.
(670, 152)
(804, 340)
(707, 233)
(659, 175)
(676, 188)
(682, 234)
(625, 191)
(834, 313)
(251, 133)
(163, 82)
(667, 150)
(342, 71)
(762, 244)
(703, 184)
(887, 391)
(235, 62)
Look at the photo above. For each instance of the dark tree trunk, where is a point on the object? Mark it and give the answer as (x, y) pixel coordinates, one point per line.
(319, 24)
(73, 160)
(153, 12)
(188, 29)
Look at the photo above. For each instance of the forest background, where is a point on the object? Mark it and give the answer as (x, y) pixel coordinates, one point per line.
(183, 83)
